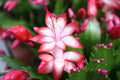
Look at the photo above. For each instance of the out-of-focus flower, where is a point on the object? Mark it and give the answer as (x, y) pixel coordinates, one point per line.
(1, 31)
(81, 13)
(2, 53)
(6, 34)
(45, 5)
(59, 63)
(21, 34)
(10, 4)
(114, 33)
(92, 8)
(57, 34)
(15, 75)
(71, 14)
(36, 2)
(109, 6)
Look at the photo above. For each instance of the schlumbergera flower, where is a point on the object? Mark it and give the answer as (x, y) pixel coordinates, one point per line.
(60, 61)
(57, 34)
(22, 35)
(10, 4)
(54, 39)
(15, 75)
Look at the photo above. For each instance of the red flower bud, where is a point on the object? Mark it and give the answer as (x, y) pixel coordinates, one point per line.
(110, 26)
(115, 32)
(15, 75)
(84, 25)
(81, 13)
(92, 8)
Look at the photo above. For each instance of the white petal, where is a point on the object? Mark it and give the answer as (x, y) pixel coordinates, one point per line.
(73, 56)
(72, 42)
(45, 47)
(69, 29)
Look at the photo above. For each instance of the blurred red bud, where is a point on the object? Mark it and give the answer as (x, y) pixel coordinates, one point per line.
(81, 13)
(92, 8)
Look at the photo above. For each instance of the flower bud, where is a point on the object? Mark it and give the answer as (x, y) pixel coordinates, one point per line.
(84, 25)
(71, 13)
(45, 5)
(101, 60)
(81, 13)
(110, 45)
(15, 75)
(99, 71)
(104, 72)
(4, 35)
(12, 5)
(114, 33)
(110, 26)
(116, 19)
(16, 43)
(92, 8)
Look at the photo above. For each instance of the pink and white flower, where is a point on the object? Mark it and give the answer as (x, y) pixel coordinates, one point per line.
(59, 62)
(56, 34)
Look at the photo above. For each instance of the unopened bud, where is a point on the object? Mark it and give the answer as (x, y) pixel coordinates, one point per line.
(102, 60)
(84, 25)
(110, 45)
(45, 5)
(71, 13)
(104, 72)
(92, 8)
(4, 35)
(16, 43)
(81, 13)
(99, 71)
